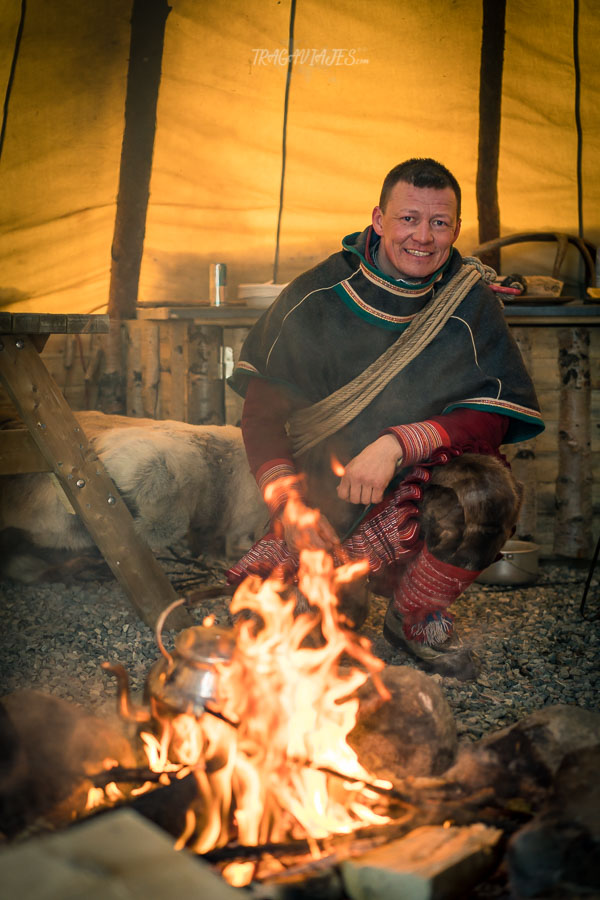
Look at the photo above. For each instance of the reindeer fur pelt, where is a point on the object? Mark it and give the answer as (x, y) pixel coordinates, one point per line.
(177, 479)
(469, 510)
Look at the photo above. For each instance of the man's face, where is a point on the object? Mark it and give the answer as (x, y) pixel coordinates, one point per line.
(417, 230)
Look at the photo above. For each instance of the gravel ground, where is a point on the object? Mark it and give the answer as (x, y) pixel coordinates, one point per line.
(536, 648)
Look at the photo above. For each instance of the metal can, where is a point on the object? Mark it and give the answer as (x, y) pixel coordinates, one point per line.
(217, 284)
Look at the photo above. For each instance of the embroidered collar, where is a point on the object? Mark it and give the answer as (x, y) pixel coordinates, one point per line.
(396, 286)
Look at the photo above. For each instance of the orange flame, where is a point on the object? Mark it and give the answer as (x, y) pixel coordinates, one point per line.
(337, 468)
(278, 764)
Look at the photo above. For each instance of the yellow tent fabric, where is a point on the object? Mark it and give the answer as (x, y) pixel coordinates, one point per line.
(59, 166)
(372, 83)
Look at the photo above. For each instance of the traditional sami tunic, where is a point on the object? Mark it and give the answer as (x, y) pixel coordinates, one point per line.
(333, 321)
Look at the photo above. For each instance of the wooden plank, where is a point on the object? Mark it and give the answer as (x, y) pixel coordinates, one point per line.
(134, 402)
(550, 403)
(179, 354)
(19, 454)
(172, 391)
(91, 491)
(82, 324)
(205, 390)
(52, 323)
(234, 315)
(150, 369)
(39, 323)
(164, 378)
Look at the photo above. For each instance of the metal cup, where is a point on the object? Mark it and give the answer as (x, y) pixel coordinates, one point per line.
(217, 284)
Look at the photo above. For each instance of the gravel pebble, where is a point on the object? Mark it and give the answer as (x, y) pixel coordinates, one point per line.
(535, 646)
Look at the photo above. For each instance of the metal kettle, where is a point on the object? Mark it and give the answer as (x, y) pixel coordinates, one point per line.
(186, 680)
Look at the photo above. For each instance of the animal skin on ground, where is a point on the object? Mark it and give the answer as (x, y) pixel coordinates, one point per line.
(178, 480)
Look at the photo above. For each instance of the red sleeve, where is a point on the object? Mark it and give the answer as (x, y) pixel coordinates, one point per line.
(266, 410)
(465, 430)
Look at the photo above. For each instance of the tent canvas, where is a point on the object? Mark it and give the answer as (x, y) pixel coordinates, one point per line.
(372, 83)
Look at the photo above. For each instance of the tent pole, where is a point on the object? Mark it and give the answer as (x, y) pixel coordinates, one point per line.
(148, 18)
(490, 106)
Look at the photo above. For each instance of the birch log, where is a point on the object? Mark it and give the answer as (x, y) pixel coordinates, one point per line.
(523, 463)
(572, 525)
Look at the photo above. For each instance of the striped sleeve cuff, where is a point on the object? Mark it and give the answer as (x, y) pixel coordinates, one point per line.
(419, 440)
(277, 480)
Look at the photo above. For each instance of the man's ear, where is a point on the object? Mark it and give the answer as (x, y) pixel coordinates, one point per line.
(457, 230)
(376, 218)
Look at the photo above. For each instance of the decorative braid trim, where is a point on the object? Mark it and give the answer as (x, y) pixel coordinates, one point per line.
(497, 405)
(277, 480)
(402, 290)
(418, 440)
(371, 310)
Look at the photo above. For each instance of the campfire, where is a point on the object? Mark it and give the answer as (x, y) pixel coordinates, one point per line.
(259, 719)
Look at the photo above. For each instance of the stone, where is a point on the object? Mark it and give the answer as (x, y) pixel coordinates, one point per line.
(414, 733)
(522, 759)
(50, 746)
(558, 851)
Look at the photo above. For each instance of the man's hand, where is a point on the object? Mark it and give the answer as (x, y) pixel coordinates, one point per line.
(368, 474)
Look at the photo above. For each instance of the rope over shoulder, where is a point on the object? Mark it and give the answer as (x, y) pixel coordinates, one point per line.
(488, 274)
(309, 426)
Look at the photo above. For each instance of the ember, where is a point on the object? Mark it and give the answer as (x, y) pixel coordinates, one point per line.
(269, 754)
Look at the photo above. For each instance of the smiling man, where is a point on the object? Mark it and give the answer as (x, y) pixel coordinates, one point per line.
(391, 357)
(417, 227)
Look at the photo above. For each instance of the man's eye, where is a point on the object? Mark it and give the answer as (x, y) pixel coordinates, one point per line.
(439, 223)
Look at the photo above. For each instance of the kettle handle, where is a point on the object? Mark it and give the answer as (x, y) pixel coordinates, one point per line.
(193, 598)
(159, 627)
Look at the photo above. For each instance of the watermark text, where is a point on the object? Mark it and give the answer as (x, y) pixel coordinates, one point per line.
(309, 56)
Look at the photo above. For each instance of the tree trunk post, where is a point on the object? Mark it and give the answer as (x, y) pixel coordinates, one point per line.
(573, 523)
(490, 108)
(148, 18)
(523, 463)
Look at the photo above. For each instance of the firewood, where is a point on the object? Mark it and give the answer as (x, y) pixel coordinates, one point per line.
(430, 863)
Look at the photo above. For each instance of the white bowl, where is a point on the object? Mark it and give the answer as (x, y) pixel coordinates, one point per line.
(259, 295)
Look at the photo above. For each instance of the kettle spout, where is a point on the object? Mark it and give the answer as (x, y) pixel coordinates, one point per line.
(125, 708)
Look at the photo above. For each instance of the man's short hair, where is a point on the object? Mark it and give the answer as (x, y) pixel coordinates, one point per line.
(422, 173)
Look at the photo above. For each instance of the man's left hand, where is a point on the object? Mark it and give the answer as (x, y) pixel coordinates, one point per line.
(367, 475)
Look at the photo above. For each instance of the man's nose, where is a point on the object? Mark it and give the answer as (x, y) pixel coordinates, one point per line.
(422, 232)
